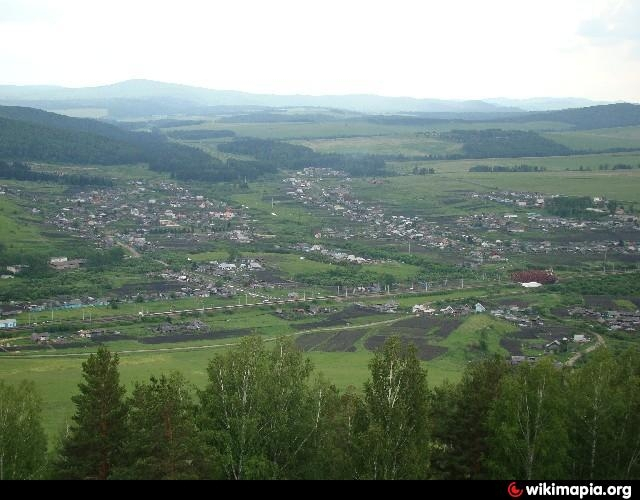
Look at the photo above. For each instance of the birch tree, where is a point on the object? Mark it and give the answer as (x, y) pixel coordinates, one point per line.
(258, 414)
(392, 426)
(529, 424)
(23, 444)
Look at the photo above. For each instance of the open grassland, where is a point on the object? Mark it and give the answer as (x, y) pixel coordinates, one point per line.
(57, 377)
(408, 145)
(441, 194)
(359, 127)
(600, 139)
(550, 163)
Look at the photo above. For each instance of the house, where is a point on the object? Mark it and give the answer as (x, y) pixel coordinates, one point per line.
(554, 345)
(8, 323)
(227, 267)
(448, 310)
(480, 308)
(40, 337)
(579, 338)
(422, 308)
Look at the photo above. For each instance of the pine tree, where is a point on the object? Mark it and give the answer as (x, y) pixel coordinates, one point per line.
(460, 415)
(162, 441)
(94, 442)
(23, 444)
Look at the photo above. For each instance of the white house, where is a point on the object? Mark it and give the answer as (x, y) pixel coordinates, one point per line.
(8, 323)
(480, 308)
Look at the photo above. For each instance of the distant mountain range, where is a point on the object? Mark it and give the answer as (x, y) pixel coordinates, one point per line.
(135, 98)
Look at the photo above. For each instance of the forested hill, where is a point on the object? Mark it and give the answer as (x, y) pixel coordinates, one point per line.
(28, 134)
(593, 117)
(56, 121)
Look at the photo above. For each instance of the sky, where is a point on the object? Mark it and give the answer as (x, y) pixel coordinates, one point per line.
(445, 49)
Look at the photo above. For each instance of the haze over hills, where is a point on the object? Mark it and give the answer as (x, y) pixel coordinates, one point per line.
(544, 103)
(143, 96)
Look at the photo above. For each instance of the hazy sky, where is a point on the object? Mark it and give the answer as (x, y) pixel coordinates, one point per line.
(462, 49)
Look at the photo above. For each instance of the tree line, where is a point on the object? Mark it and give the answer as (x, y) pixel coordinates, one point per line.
(498, 143)
(23, 172)
(264, 415)
(501, 168)
(292, 156)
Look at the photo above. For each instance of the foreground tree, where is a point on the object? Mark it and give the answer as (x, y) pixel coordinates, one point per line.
(162, 440)
(391, 438)
(528, 424)
(258, 414)
(460, 416)
(23, 444)
(93, 444)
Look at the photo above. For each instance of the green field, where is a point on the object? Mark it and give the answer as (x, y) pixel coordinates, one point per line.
(600, 139)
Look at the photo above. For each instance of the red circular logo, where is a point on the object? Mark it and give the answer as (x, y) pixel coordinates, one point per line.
(513, 490)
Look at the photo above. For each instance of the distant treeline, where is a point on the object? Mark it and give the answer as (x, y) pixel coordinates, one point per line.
(264, 117)
(497, 143)
(22, 172)
(576, 206)
(611, 285)
(196, 135)
(151, 124)
(290, 156)
(500, 168)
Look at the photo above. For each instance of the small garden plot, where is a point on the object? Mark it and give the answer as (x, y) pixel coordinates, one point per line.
(330, 342)
(343, 341)
(425, 350)
(514, 346)
(512, 302)
(560, 312)
(599, 302)
(309, 341)
(188, 337)
(154, 287)
(342, 318)
(420, 325)
(635, 300)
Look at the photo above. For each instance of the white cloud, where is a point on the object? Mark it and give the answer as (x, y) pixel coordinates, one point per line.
(452, 49)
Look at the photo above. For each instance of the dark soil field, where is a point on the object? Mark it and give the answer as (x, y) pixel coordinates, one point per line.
(426, 351)
(512, 345)
(343, 341)
(155, 287)
(330, 342)
(421, 325)
(599, 302)
(342, 318)
(187, 337)
(635, 300)
(309, 341)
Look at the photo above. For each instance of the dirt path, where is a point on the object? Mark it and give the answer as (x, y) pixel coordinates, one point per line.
(134, 253)
(572, 360)
(212, 346)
